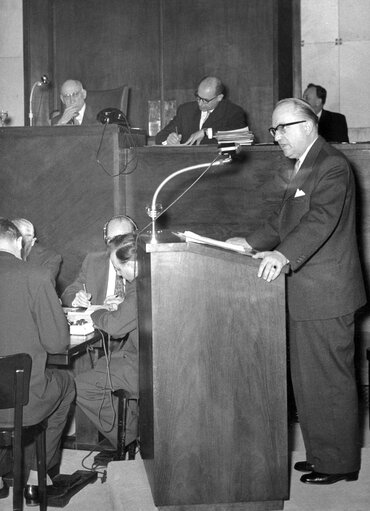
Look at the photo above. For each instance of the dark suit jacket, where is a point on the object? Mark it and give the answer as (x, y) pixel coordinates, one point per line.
(47, 258)
(88, 118)
(226, 116)
(315, 229)
(122, 321)
(94, 275)
(333, 127)
(32, 321)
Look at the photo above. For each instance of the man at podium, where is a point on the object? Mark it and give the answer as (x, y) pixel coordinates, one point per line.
(314, 231)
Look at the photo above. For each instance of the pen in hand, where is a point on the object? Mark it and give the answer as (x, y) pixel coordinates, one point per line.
(88, 295)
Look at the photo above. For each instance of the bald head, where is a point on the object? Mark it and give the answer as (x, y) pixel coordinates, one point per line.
(27, 231)
(294, 125)
(73, 93)
(209, 93)
(24, 226)
(118, 225)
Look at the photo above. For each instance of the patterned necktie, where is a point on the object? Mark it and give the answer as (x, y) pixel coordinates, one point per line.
(119, 287)
(296, 168)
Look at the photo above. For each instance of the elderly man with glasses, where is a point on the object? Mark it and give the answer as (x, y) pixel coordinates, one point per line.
(73, 96)
(197, 121)
(313, 231)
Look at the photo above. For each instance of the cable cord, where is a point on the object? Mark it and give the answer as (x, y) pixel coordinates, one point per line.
(132, 146)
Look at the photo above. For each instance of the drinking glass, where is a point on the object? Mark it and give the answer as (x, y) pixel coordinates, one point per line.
(3, 117)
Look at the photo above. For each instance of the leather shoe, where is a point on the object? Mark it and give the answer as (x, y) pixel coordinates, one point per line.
(31, 493)
(303, 466)
(4, 491)
(320, 478)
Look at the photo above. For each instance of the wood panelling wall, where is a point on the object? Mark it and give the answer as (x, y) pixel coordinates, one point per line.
(161, 49)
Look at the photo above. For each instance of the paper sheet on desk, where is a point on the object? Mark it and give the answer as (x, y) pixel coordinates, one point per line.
(192, 237)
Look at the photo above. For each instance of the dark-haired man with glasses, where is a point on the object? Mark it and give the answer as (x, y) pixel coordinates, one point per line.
(313, 231)
(197, 121)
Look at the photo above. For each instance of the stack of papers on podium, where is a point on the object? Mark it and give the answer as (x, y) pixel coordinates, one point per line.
(191, 237)
(241, 136)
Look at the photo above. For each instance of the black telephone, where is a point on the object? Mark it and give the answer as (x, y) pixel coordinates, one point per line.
(112, 116)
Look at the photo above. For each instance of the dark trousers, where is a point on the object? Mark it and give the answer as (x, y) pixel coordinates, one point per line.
(56, 421)
(325, 391)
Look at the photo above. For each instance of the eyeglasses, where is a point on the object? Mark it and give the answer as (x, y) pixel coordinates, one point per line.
(203, 100)
(281, 128)
(72, 94)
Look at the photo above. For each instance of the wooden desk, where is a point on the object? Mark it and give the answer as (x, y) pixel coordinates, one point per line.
(78, 346)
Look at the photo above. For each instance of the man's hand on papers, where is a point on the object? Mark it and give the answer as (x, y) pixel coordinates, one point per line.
(173, 139)
(195, 138)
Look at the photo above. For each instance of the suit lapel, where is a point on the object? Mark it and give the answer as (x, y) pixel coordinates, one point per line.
(214, 116)
(305, 169)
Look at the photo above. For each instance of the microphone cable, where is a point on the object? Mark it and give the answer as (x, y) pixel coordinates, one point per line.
(133, 147)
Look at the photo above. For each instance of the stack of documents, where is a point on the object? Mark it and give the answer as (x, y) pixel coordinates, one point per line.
(241, 136)
(79, 320)
(192, 237)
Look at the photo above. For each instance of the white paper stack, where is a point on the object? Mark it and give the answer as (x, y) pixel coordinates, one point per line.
(241, 136)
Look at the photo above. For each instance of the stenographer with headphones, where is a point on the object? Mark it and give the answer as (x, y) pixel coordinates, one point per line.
(120, 369)
(97, 282)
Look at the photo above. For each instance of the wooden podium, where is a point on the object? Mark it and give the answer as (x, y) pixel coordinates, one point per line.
(213, 414)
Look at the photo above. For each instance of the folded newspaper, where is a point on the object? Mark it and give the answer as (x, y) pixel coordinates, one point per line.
(192, 237)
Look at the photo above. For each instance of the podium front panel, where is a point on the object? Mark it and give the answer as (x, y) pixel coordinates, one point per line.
(213, 379)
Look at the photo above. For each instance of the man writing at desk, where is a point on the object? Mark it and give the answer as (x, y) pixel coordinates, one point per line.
(196, 122)
(121, 369)
(97, 281)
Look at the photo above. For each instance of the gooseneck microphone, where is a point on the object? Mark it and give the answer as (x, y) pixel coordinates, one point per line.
(43, 81)
(156, 211)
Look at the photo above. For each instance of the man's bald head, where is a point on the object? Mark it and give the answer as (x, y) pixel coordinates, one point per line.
(118, 225)
(27, 230)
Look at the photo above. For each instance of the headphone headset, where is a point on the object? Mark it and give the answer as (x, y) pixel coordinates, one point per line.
(118, 217)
